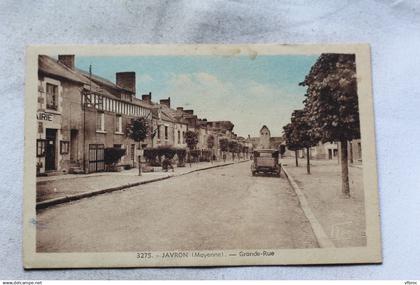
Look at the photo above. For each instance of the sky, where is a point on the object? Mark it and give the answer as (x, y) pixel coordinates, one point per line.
(249, 92)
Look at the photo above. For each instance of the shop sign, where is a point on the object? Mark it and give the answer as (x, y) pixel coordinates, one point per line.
(44, 116)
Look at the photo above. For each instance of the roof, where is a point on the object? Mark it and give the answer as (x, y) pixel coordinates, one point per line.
(102, 81)
(50, 66)
(53, 67)
(265, 127)
(141, 103)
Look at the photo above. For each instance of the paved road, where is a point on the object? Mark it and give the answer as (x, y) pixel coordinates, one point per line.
(221, 208)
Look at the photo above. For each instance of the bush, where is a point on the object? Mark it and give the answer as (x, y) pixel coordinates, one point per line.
(112, 155)
(167, 151)
(154, 155)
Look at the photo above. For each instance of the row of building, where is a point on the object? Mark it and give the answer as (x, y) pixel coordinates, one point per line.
(79, 114)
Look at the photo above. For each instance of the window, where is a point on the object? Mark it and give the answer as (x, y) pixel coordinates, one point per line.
(183, 137)
(52, 96)
(100, 102)
(166, 132)
(40, 147)
(179, 137)
(100, 122)
(158, 132)
(119, 124)
(64, 147)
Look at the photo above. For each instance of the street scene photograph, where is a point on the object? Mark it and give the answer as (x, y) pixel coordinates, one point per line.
(186, 153)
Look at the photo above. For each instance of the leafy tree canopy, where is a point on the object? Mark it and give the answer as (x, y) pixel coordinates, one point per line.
(299, 133)
(191, 139)
(224, 144)
(210, 141)
(331, 102)
(137, 129)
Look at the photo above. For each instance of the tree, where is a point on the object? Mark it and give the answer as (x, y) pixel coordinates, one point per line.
(191, 139)
(137, 130)
(224, 146)
(210, 145)
(298, 135)
(332, 104)
(233, 148)
(291, 139)
(305, 136)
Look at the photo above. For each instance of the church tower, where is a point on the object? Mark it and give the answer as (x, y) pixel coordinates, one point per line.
(264, 138)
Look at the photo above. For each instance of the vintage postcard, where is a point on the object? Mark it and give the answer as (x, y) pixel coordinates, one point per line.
(199, 155)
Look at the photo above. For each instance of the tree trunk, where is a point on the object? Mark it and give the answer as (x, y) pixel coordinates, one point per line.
(345, 187)
(140, 170)
(296, 158)
(351, 152)
(308, 165)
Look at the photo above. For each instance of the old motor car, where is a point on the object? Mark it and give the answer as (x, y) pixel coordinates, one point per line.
(266, 161)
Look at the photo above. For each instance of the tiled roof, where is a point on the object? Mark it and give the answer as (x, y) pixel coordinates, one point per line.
(51, 66)
(102, 81)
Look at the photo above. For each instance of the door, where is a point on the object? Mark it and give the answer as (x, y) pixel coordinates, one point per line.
(73, 145)
(330, 154)
(96, 158)
(50, 154)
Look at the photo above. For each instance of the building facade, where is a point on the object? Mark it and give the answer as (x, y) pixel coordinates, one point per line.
(79, 115)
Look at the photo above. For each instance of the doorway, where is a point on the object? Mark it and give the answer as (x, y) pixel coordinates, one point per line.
(50, 149)
(73, 145)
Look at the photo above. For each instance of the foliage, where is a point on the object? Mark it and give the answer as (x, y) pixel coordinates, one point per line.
(195, 153)
(181, 153)
(210, 141)
(150, 153)
(224, 144)
(332, 104)
(169, 152)
(302, 129)
(137, 129)
(191, 139)
(112, 155)
(233, 146)
(331, 100)
(291, 137)
(282, 149)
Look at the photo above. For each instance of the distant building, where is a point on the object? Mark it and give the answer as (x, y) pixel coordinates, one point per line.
(265, 135)
(169, 127)
(265, 140)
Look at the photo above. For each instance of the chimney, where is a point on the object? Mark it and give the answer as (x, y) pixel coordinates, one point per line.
(147, 97)
(166, 102)
(126, 80)
(191, 112)
(67, 60)
(180, 109)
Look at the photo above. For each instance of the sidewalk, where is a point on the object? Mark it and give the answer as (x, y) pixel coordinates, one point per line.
(343, 220)
(73, 185)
